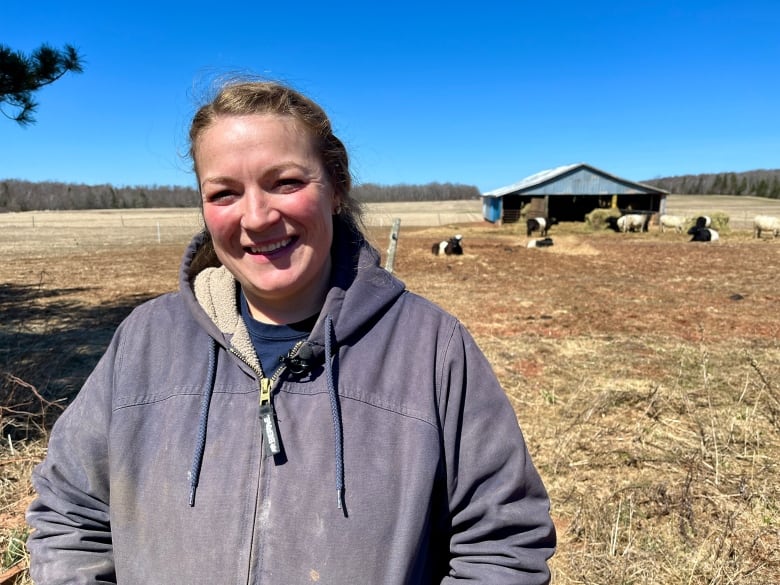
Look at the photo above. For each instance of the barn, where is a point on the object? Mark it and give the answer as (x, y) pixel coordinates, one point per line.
(569, 193)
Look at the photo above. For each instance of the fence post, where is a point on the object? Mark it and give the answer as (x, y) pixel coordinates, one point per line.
(393, 244)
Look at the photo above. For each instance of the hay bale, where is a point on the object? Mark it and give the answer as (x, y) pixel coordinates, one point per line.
(597, 219)
(720, 221)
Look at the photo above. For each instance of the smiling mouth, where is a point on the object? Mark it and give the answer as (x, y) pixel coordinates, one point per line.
(267, 249)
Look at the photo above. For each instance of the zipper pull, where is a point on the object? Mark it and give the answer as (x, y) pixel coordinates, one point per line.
(268, 419)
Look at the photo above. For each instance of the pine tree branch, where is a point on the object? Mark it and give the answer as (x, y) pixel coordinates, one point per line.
(20, 76)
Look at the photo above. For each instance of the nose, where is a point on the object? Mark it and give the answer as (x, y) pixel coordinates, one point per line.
(258, 211)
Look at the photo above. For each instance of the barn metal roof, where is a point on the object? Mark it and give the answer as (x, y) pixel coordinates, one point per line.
(573, 179)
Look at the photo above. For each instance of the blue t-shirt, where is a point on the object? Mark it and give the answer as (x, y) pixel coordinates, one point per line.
(273, 342)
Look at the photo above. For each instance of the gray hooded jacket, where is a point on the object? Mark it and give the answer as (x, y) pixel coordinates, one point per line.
(385, 453)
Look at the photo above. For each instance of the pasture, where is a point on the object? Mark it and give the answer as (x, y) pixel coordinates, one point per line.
(644, 369)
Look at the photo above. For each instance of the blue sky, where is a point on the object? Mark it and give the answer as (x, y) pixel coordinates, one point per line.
(480, 94)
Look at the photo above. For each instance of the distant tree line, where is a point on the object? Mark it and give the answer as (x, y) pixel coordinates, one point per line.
(28, 196)
(16, 195)
(760, 183)
(373, 193)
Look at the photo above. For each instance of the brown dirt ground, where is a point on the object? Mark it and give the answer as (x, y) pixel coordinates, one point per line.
(600, 284)
(571, 330)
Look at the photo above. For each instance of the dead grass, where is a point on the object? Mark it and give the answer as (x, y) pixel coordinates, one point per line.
(644, 370)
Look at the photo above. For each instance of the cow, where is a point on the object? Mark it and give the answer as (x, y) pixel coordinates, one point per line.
(449, 247)
(673, 222)
(633, 222)
(703, 234)
(766, 223)
(540, 224)
(540, 243)
(703, 221)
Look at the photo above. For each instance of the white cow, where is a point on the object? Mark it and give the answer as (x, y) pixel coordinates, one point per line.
(766, 223)
(672, 222)
(632, 222)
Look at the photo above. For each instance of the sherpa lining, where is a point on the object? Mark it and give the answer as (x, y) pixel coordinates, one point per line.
(215, 289)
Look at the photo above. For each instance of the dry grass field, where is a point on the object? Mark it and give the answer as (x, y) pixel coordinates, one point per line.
(644, 368)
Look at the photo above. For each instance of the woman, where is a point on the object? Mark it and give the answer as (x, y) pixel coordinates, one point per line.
(292, 414)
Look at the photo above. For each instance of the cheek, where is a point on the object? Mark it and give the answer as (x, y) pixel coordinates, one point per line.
(217, 220)
(315, 212)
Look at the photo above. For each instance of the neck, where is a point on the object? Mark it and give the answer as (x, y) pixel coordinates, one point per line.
(283, 311)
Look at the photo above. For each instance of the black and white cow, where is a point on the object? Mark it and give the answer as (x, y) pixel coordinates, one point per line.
(539, 243)
(701, 230)
(540, 224)
(449, 247)
(703, 234)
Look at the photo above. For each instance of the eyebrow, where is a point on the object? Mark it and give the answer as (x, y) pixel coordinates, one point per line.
(278, 168)
(216, 180)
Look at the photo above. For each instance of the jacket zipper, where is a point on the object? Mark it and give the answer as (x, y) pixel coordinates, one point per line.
(267, 415)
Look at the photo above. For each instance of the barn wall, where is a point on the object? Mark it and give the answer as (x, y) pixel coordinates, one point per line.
(582, 182)
(492, 208)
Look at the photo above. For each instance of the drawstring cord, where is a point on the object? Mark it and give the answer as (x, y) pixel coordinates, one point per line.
(335, 413)
(205, 402)
(203, 421)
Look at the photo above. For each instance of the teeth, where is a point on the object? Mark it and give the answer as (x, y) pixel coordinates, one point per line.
(269, 247)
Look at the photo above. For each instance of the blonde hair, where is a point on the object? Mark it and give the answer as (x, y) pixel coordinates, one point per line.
(242, 98)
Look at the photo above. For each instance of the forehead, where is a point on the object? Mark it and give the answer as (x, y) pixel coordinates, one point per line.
(258, 127)
(256, 136)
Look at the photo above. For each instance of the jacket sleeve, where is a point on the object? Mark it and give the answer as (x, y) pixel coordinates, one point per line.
(71, 538)
(501, 529)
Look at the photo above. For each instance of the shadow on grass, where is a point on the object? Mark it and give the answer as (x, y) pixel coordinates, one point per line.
(49, 343)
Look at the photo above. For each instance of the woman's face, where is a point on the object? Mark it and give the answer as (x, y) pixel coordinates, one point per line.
(268, 205)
